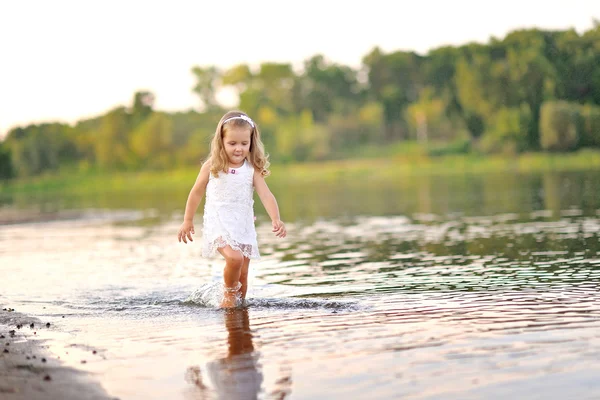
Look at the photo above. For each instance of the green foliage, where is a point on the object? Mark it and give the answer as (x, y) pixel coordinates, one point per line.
(39, 148)
(428, 120)
(152, 142)
(239, 76)
(84, 136)
(559, 126)
(475, 124)
(271, 86)
(395, 80)
(474, 91)
(458, 146)
(192, 133)
(507, 132)
(533, 77)
(325, 87)
(6, 166)
(590, 135)
(300, 139)
(532, 89)
(197, 149)
(252, 100)
(143, 103)
(112, 141)
(207, 80)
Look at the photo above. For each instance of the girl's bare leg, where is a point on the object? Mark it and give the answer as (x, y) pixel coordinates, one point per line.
(234, 262)
(244, 277)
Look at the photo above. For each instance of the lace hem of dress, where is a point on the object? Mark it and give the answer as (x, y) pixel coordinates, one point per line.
(246, 249)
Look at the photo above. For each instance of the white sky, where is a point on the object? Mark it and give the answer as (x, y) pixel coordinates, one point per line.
(63, 60)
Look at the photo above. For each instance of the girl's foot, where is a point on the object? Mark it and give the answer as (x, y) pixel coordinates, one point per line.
(229, 300)
(231, 296)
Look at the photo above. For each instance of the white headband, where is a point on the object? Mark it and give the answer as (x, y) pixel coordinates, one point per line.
(245, 118)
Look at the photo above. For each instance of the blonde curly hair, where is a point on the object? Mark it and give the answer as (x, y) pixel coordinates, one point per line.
(257, 156)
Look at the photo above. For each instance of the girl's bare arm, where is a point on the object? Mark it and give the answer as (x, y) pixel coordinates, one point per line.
(193, 201)
(270, 204)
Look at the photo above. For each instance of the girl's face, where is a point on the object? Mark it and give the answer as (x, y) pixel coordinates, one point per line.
(236, 142)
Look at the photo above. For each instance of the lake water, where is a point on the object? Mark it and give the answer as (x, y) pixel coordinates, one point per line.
(429, 287)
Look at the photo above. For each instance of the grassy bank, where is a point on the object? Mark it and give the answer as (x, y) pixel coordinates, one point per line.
(373, 169)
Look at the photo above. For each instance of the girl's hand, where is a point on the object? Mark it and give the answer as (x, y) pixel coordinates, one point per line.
(185, 232)
(279, 228)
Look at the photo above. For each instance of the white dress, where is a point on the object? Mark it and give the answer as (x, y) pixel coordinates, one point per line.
(229, 213)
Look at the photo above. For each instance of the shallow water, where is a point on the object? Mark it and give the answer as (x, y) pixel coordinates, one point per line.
(465, 287)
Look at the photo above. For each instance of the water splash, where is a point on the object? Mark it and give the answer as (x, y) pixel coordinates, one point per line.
(210, 295)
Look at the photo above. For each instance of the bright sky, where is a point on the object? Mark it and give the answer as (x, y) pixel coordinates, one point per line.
(63, 60)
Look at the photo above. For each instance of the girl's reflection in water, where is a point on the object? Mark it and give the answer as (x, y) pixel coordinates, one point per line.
(239, 375)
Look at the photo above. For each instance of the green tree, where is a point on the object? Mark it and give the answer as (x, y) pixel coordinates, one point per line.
(6, 166)
(275, 81)
(475, 91)
(324, 88)
(243, 81)
(507, 131)
(271, 86)
(239, 76)
(142, 107)
(559, 126)
(428, 120)
(85, 135)
(112, 143)
(395, 80)
(532, 76)
(37, 148)
(152, 141)
(591, 126)
(207, 84)
(299, 138)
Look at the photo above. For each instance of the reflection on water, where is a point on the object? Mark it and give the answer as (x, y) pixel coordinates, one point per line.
(469, 287)
(238, 375)
(469, 194)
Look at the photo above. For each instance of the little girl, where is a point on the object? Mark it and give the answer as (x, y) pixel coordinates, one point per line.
(236, 167)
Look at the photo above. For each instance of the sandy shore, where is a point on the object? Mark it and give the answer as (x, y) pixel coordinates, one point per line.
(29, 372)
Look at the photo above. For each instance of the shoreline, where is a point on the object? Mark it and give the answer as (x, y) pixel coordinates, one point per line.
(85, 182)
(28, 371)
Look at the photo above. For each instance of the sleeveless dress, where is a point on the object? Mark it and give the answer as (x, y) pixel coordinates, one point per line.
(229, 213)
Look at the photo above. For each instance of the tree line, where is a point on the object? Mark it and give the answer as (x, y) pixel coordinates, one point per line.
(532, 90)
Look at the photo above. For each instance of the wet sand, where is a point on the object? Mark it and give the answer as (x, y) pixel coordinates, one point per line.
(29, 372)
